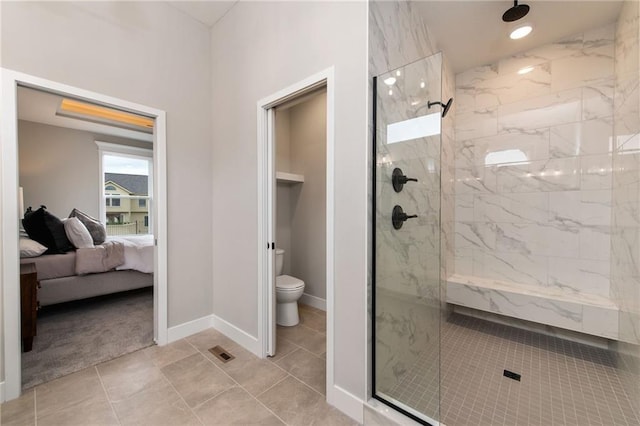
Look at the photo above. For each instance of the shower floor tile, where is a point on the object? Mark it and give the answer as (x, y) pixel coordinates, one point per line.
(562, 382)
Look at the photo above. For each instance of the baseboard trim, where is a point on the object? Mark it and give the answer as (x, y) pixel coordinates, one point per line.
(346, 402)
(212, 321)
(188, 328)
(1, 391)
(314, 301)
(237, 335)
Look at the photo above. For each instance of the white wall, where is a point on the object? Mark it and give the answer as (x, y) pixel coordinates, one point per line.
(151, 54)
(259, 48)
(58, 167)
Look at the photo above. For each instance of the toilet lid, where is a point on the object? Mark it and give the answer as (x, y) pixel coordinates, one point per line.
(286, 282)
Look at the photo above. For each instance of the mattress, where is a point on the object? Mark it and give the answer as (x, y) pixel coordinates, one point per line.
(50, 266)
(67, 289)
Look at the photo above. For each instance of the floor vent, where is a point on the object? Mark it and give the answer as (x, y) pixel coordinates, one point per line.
(221, 354)
(511, 375)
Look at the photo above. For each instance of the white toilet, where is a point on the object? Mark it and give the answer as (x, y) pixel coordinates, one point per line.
(288, 291)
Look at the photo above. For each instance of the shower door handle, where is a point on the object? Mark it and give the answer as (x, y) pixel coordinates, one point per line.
(398, 217)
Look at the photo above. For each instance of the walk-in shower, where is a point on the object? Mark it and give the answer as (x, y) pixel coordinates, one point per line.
(506, 224)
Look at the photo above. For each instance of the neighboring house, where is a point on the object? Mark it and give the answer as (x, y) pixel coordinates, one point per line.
(127, 213)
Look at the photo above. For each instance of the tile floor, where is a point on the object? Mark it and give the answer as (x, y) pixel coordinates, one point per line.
(183, 384)
(563, 383)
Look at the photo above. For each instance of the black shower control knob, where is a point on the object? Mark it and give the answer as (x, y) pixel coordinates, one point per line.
(398, 217)
(398, 179)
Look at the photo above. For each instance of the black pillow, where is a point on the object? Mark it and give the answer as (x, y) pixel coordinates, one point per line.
(48, 230)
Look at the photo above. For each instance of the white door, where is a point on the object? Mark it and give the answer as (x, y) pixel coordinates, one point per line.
(271, 232)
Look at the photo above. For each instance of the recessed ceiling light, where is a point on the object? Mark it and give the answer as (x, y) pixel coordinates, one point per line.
(390, 92)
(521, 32)
(389, 81)
(525, 70)
(422, 84)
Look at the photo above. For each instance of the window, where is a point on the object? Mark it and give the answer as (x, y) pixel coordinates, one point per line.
(129, 173)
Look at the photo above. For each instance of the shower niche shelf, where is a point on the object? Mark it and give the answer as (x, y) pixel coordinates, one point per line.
(289, 178)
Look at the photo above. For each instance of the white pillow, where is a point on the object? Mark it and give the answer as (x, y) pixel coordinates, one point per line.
(77, 233)
(30, 248)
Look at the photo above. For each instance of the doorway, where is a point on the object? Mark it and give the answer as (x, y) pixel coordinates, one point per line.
(11, 81)
(268, 188)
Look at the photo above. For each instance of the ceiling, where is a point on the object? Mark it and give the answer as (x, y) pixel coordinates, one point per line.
(472, 33)
(40, 107)
(207, 12)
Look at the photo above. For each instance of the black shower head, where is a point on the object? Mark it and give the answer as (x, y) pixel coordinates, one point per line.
(445, 107)
(516, 12)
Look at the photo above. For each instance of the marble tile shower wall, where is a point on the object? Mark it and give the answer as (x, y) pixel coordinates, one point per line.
(625, 238)
(407, 261)
(625, 284)
(533, 166)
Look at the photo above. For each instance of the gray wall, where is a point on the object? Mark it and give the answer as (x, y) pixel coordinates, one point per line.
(308, 128)
(283, 190)
(301, 208)
(148, 53)
(285, 42)
(59, 167)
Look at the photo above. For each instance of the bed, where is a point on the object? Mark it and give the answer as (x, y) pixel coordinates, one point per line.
(60, 283)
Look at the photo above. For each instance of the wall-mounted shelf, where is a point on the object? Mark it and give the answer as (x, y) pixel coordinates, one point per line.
(290, 178)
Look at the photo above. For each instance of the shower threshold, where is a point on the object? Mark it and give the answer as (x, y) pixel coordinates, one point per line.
(423, 418)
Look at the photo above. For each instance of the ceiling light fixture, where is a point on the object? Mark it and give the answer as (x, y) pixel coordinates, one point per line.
(389, 81)
(521, 32)
(90, 112)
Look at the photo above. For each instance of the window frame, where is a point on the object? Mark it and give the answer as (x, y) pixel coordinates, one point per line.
(106, 148)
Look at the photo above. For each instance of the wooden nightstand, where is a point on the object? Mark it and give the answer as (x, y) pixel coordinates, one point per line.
(28, 303)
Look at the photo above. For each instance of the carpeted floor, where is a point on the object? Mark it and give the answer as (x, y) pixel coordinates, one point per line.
(76, 335)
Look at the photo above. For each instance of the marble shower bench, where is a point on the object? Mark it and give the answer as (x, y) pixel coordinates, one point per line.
(585, 313)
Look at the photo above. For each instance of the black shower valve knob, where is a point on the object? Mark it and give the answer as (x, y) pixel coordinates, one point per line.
(398, 217)
(398, 179)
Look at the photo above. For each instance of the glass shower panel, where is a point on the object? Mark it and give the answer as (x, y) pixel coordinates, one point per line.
(407, 121)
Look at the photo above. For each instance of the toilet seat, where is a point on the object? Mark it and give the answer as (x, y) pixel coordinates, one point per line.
(288, 283)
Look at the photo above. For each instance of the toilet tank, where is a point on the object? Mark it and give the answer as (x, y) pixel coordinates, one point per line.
(279, 261)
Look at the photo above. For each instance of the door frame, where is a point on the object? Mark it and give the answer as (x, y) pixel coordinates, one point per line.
(266, 203)
(9, 274)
